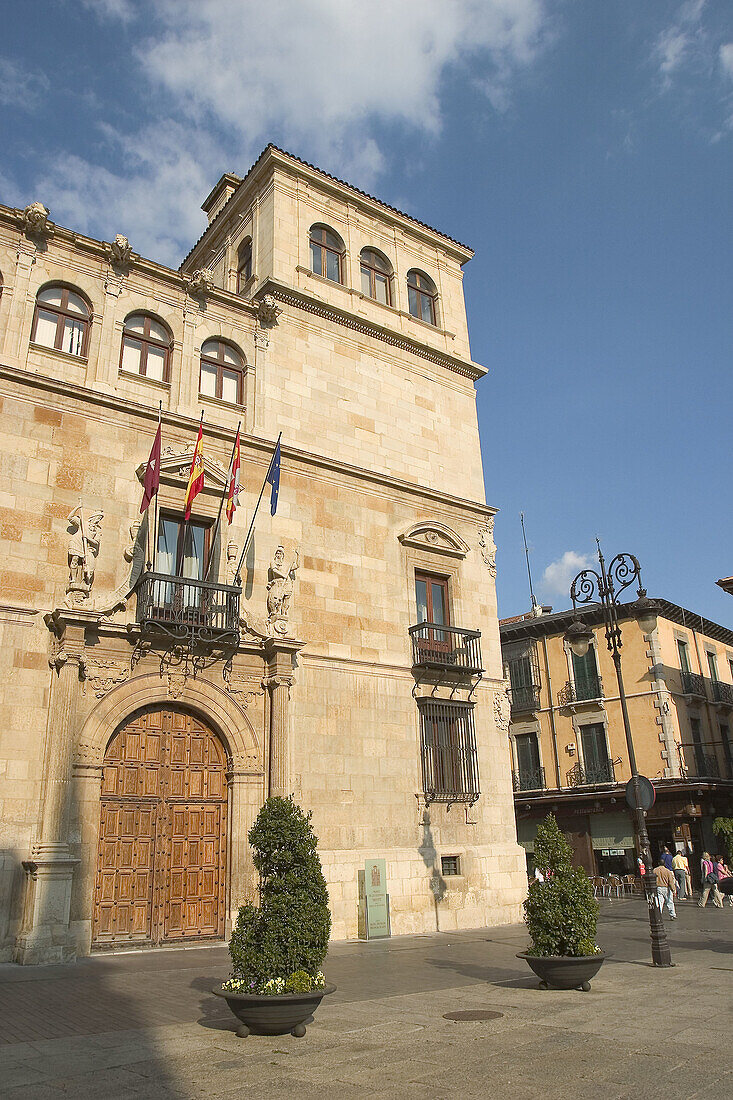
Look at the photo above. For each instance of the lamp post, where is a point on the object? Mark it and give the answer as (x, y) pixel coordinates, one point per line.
(606, 586)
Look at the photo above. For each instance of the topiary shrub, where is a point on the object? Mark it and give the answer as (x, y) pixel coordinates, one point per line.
(561, 912)
(284, 940)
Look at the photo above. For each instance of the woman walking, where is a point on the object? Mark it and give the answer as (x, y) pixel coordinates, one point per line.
(709, 882)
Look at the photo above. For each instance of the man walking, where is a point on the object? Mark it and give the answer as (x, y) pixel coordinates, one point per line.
(678, 868)
(709, 882)
(666, 889)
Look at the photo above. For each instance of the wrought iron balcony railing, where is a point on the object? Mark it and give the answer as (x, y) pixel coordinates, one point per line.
(448, 751)
(524, 698)
(448, 648)
(692, 684)
(529, 780)
(188, 611)
(589, 775)
(582, 691)
(722, 693)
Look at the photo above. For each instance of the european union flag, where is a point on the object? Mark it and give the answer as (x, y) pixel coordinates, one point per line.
(273, 476)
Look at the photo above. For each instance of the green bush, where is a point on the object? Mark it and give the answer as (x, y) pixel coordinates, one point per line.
(561, 912)
(299, 982)
(288, 934)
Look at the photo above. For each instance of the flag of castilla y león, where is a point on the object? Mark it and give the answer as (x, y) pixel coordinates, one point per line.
(233, 489)
(196, 476)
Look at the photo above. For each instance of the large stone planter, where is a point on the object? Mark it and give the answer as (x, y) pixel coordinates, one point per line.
(564, 971)
(273, 1015)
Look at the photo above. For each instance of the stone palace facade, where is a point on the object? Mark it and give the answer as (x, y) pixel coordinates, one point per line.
(149, 702)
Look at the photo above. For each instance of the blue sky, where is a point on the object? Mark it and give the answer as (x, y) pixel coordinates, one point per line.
(583, 148)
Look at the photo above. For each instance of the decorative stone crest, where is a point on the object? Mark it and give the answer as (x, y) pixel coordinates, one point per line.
(201, 282)
(34, 221)
(488, 546)
(120, 251)
(83, 551)
(502, 708)
(176, 684)
(268, 310)
(280, 584)
(102, 676)
(253, 627)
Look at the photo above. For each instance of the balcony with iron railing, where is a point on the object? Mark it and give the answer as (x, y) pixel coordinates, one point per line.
(446, 649)
(592, 774)
(524, 698)
(702, 761)
(722, 693)
(532, 779)
(586, 690)
(693, 684)
(188, 611)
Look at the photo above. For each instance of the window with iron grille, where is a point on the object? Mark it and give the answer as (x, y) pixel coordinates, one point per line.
(523, 671)
(448, 750)
(450, 865)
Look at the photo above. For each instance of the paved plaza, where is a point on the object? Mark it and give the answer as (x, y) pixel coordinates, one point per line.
(146, 1025)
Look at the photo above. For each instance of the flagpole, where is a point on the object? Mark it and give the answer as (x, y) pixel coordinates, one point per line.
(254, 514)
(155, 520)
(221, 504)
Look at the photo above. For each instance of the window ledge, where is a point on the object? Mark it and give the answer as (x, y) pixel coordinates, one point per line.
(144, 378)
(322, 279)
(219, 401)
(65, 356)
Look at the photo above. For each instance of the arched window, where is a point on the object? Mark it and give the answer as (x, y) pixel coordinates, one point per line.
(222, 372)
(146, 347)
(421, 295)
(376, 273)
(326, 251)
(244, 264)
(61, 320)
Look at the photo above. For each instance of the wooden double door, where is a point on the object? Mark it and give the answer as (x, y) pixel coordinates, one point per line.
(161, 864)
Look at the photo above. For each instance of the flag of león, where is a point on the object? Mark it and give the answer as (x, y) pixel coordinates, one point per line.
(233, 489)
(151, 481)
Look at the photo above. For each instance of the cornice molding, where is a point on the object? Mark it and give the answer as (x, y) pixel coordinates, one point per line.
(299, 300)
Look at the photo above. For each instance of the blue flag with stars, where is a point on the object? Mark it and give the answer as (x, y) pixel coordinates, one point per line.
(273, 476)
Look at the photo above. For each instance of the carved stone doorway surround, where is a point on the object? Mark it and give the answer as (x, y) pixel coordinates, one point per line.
(61, 870)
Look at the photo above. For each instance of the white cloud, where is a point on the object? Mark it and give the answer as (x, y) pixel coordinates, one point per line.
(316, 76)
(21, 87)
(680, 43)
(559, 574)
(726, 59)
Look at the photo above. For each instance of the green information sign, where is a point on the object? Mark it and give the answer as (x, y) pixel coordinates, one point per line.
(373, 900)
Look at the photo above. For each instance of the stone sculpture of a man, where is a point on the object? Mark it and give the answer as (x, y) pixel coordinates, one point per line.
(280, 589)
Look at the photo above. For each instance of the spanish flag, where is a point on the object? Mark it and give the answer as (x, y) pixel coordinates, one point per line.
(233, 491)
(196, 476)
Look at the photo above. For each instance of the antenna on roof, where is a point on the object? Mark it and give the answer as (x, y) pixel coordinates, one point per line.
(529, 571)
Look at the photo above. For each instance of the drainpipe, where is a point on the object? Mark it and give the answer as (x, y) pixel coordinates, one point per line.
(552, 713)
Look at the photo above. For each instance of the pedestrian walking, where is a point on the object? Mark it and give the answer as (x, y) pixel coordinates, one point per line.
(666, 858)
(709, 883)
(666, 889)
(722, 871)
(678, 869)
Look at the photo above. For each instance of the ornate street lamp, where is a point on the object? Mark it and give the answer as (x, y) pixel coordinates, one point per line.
(606, 586)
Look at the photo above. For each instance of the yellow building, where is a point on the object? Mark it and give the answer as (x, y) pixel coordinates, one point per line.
(149, 701)
(567, 742)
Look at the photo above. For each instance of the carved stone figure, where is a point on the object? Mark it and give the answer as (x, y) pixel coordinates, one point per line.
(120, 251)
(129, 552)
(488, 546)
(34, 221)
(201, 282)
(83, 550)
(232, 559)
(502, 708)
(280, 590)
(268, 310)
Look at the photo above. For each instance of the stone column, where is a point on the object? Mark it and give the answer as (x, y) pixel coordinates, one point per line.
(246, 797)
(280, 654)
(46, 936)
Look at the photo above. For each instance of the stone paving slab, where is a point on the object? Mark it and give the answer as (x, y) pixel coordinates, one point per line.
(146, 1025)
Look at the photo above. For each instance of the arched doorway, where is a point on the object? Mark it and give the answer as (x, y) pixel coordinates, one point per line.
(161, 863)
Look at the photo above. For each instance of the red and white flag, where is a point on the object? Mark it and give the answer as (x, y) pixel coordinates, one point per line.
(151, 481)
(234, 487)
